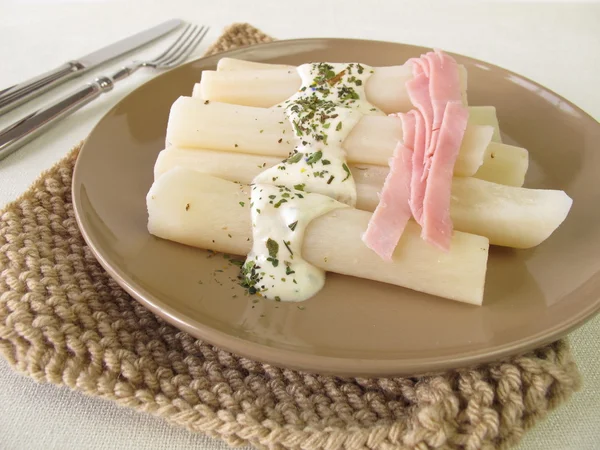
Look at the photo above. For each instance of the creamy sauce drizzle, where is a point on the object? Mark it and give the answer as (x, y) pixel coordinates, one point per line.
(312, 181)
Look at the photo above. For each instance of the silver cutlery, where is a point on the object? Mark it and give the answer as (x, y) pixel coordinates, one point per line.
(32, 125)
(15, 95)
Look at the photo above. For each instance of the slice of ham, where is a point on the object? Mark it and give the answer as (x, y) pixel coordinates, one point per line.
(420, 179)
(436, 222)
(393, 211)
(408, 127)
(418, 92)
(436, 82)
(444, 87)
(417, 182)
(444, 84)
(420, 66)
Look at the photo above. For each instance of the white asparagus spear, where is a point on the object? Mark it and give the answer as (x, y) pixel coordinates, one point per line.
(486, 115)
(266, 131)
(508, 216)
(385, 88)
(478, 115)
(203, 211)
(240, 64)
(504, 164)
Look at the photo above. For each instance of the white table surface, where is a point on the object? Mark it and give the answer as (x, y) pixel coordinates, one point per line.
(555, 44)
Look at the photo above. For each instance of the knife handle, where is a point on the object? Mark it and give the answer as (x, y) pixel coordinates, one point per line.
(15, 95)
(31, 126)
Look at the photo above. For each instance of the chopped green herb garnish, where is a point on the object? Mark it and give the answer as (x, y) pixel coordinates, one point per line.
(316, 156)
(347, 170)
(299, 187)
(273, 247)
(292, 226)
(339, 126)
(242, 204)
(294, 158)
(297, 128)
(279, 203)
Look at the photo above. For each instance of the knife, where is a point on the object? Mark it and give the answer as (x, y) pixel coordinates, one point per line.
(15, 95)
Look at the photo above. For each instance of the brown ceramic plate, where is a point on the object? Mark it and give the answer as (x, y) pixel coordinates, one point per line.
(354, 326)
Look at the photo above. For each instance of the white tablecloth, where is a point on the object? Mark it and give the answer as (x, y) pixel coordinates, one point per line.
(555, 44)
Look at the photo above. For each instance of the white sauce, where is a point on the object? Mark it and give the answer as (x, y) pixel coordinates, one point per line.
(312, 181)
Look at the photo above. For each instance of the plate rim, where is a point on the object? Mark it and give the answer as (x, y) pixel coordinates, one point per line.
(288, 358)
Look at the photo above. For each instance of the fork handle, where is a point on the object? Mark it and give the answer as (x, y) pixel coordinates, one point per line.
(31, 126)
(15, 95)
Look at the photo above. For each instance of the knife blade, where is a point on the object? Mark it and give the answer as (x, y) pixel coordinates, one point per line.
(18, 94)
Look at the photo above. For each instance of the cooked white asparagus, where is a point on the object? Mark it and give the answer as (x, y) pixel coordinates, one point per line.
(266, 131)
(486, 115)
(240, 64)
(207, 212)
(385, 89)
(480, 115)
(504, 164)
(508, 216)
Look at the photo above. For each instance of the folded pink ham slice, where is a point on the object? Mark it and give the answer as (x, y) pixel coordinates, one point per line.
(420, 66)
(436, 223)
(420, 179)
(408, 127)
(393, 211)
(444, 87)
(418, 91)
(417, 181)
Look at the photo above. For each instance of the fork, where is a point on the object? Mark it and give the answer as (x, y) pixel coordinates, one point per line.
(33, 125)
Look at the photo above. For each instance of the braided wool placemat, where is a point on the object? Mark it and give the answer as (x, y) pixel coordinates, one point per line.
(63, 320)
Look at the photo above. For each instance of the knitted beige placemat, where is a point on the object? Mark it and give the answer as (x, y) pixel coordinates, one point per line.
(63, 320)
